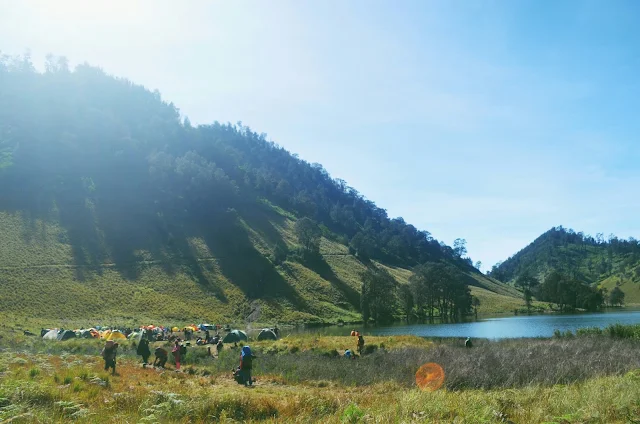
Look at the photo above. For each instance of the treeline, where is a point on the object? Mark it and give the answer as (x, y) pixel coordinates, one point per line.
(81, 133)
(582, 256)
(567, 292)
(435, 290)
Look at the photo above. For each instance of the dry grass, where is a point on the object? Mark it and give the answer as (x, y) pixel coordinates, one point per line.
(71, 387)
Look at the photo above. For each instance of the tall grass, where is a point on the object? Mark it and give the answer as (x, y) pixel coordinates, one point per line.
(489, 365)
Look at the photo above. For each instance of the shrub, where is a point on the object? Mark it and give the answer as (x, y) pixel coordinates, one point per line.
(352, 414)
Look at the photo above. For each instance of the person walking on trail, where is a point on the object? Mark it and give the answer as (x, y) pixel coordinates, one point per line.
(161, 357)
(467, 343)
(177, 353)
(219, 347)
(360, 344)
(144, 351)
(246, 364)
(109, 356)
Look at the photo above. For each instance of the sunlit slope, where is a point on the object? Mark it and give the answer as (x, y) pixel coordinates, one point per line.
(630, 287)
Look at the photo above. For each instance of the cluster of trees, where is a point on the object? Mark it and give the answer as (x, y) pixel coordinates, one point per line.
(82, 128)
(567, 292)
(582, 256)
(435, 290)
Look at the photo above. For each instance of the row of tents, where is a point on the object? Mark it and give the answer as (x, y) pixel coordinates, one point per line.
(90, 333)
(233, 336)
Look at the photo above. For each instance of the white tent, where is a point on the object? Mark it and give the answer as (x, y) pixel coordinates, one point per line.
(51, 335)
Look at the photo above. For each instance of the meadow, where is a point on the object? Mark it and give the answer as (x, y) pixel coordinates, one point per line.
(589, 377)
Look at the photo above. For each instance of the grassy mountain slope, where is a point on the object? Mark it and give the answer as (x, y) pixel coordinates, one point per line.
(40, 278)
(595, 261)
(114, 207)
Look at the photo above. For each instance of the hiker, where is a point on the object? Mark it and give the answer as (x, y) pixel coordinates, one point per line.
(276, 331)
(219, 346)
(467, 343)
(207, 336)
(246, 364)
(109, 356)
(177, 353)
(161, 357)
(144, 351)
(360, 344)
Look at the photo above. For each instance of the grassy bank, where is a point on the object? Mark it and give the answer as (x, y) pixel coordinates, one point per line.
(585, 378)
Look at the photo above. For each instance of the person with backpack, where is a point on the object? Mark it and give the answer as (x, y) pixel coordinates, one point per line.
(143, 350)
(246, 365)
(161, 357)
(109, 356)
(219, 346)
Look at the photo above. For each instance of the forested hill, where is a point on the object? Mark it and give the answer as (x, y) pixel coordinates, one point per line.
(609, 262)
(110, 203)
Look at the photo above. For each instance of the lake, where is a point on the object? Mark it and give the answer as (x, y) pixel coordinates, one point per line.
(497, 328)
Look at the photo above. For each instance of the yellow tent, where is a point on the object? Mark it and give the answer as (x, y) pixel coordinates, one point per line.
(104, 334)
(116, 335)
(175, 329)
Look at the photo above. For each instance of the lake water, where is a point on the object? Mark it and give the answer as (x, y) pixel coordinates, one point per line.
(498, 328)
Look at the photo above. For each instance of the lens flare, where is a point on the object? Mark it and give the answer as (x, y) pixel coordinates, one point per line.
(430, 377)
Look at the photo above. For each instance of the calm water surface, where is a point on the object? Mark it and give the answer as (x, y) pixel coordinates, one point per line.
(499, 328)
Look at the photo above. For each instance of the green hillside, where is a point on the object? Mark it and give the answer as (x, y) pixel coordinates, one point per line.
(593, 260)
(114, 207)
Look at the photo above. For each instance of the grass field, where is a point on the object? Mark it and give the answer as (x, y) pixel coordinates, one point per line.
(51, 274)
(592, 379)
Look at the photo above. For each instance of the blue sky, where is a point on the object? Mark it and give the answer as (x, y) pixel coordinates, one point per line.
(488, 120)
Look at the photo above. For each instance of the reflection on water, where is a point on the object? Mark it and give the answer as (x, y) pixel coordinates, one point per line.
(493, 328)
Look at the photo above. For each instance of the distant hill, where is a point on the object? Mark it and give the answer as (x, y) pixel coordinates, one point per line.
(594, 260)
(112, 206)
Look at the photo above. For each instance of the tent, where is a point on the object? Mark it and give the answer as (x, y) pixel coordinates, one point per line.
(116, 335)
(66, 335)
(235, 336)
(51, 335)
(267, 334)
(136, 335)
(85, 334)
(207, 327)
(175, 329)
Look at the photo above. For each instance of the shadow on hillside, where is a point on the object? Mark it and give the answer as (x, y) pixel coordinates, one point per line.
(318, 264)
(121, 229)
(245, 266)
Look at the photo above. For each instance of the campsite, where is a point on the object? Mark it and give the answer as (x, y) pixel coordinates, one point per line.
(306, 378)
(321, 211)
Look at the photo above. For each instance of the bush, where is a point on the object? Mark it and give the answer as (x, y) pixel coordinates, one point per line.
(352, 414)
(369, 349)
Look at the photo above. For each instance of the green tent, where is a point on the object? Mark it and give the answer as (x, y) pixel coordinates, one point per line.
(235, 336)
(267, 334)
